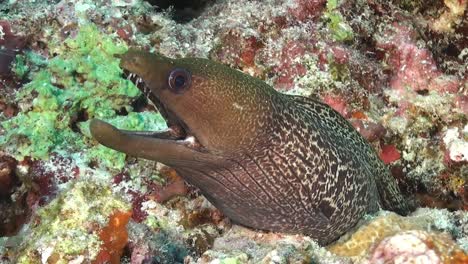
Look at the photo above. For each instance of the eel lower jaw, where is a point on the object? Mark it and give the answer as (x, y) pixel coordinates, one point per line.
(170, 134)
(177, 130)
(106, 134)
(172, 152)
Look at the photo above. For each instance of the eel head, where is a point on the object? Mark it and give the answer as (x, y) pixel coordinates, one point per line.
(209, 109)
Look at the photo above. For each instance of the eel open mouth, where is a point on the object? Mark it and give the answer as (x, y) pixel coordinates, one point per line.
(177, 129)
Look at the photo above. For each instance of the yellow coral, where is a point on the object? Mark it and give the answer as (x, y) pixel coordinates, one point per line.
(379, 233)
(451, 16)
(357, 244)
(456, 183)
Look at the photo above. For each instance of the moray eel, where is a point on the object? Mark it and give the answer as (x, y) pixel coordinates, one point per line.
(267, 160)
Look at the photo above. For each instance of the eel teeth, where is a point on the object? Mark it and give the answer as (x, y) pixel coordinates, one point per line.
(130, 76)
(141, 85)
(145, 90)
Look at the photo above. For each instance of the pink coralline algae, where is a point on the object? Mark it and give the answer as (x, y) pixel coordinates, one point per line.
(238, 50)
(8, 39)
(389, 154)
(412, 66)
(125, 32)
(174, 186)
(306, 9)
(137, 198)
(370, 130)
(418, 247)
(44, 178)
(338, 103)
(461, 101)
(340, 54)
(290, 66)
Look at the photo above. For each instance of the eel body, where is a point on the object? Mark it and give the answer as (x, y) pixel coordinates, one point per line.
(267, 160)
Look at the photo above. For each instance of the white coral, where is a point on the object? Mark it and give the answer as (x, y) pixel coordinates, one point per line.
(457, 146)
(407, 247)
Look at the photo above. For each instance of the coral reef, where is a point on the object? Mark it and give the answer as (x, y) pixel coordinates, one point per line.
(83, 80)
(81, 211)
(395, 69)
(374, 239)
(241, 245)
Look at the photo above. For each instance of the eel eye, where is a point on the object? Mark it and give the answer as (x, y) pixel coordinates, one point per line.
(179, 80)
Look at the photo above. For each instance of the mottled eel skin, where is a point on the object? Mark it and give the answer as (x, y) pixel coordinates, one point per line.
(267, 160)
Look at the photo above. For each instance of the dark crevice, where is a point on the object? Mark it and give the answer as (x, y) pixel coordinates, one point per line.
(183, 11)
(122, 112)
(80, 116)
(140, 104)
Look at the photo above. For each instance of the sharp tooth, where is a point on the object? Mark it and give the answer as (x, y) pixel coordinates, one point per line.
(190, 139)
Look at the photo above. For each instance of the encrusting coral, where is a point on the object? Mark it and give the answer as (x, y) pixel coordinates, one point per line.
(83, 80)
(86, 211)
(376, 239)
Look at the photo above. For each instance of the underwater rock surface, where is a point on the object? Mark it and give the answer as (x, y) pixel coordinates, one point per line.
(396, 70)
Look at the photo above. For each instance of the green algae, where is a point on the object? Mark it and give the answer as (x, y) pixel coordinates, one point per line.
(82, 81)
(155, 223)
(36, 133)
(20, 68)
(230, 261)
(228, 258)
(133, 121)
(67, 228)
(159, 217)
(340, 30)
(27, 62)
